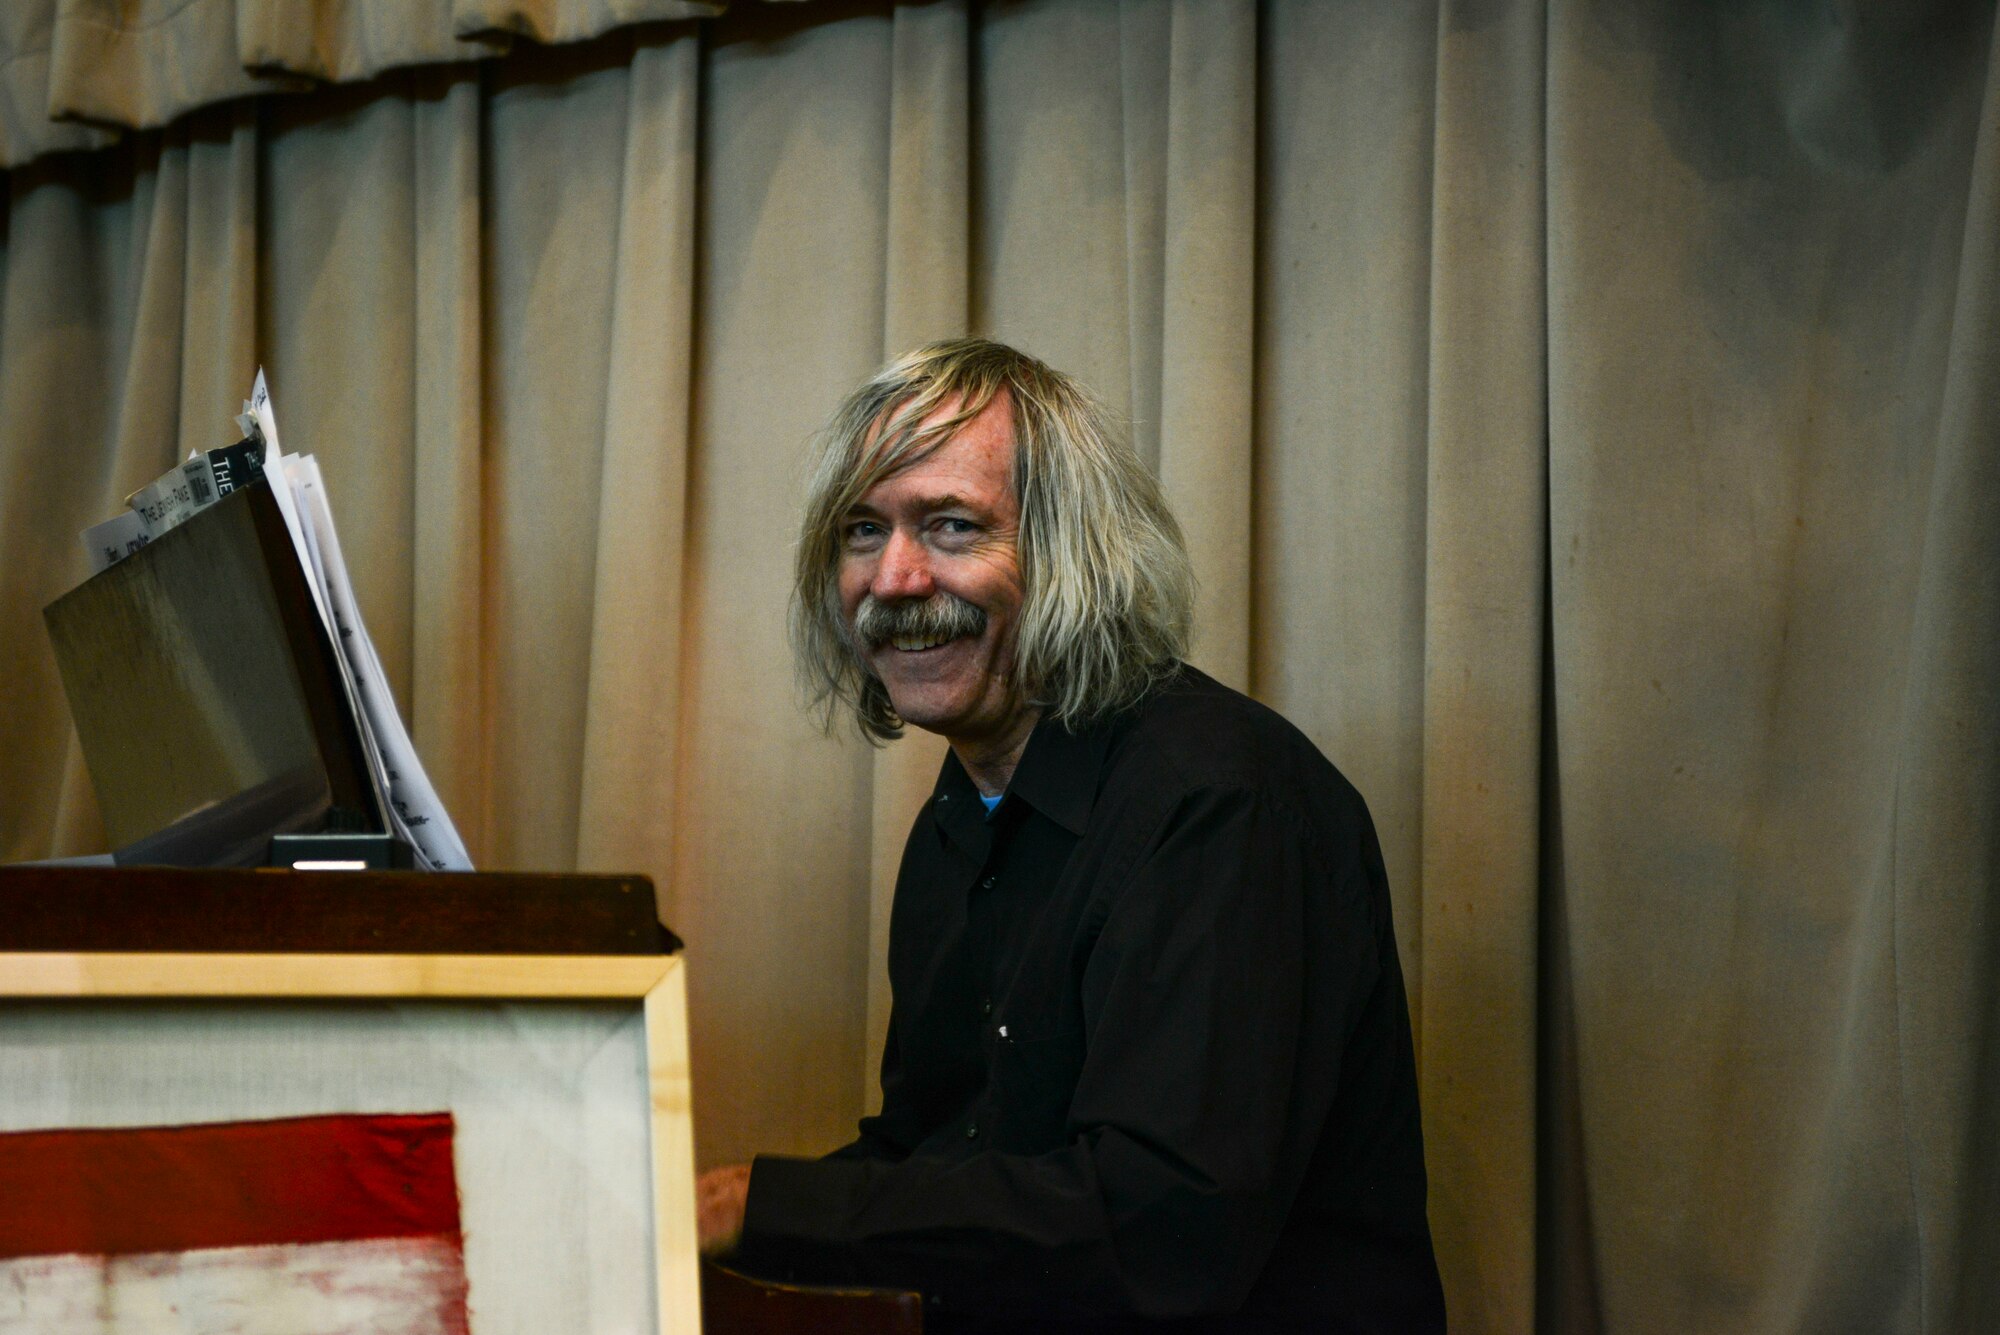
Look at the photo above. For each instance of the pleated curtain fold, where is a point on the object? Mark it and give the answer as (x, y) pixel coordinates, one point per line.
(76, 73)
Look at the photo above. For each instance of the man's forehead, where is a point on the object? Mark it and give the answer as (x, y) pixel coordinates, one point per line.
(987, 433)
(998, 409)
(877, 499)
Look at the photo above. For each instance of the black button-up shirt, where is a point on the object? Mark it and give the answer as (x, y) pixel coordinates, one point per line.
(1149, 1054)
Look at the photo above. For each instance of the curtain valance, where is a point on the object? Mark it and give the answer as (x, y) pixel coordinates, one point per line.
(76, 74)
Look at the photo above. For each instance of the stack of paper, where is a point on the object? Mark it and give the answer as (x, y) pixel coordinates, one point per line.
(403, 791)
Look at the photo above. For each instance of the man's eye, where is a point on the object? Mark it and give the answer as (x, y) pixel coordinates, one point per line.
(862, 532)
(957, 526)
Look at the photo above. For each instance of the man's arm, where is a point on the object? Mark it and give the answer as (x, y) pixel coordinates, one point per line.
(722, 1193)
(1217, 1000)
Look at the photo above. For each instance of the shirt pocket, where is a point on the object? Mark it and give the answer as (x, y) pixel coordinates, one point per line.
(1031, 1089)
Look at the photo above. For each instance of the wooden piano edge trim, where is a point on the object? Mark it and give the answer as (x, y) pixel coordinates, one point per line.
(196, 975)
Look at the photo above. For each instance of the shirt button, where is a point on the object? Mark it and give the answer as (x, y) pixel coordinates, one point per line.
(972, 1132)
(986, 1006)
(987, 884)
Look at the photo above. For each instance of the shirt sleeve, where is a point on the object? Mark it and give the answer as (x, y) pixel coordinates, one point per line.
(1229, 970)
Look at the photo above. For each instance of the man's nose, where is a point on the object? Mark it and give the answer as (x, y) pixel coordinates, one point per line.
(904, 570)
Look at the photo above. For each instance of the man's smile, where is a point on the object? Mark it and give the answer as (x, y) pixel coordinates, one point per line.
(917, 644)
(924, 657)
(917, 627)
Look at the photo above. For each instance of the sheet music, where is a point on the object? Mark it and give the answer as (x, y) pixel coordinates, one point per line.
(378, 771)
(265, 423)
(403, 791)
(414, 809)
(262, 425)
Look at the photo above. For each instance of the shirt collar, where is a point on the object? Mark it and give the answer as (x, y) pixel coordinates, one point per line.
(956, 808)
(1057, 776)
(1058, 772)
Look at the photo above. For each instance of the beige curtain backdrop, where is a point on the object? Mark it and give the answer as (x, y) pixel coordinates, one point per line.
(1586, 419)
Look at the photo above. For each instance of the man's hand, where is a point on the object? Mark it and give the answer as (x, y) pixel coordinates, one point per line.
(719, 1198)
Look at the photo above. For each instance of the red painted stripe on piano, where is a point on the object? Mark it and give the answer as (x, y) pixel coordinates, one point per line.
(231, 1184)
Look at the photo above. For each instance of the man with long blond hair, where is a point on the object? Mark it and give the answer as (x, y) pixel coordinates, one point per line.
(1149, 1062)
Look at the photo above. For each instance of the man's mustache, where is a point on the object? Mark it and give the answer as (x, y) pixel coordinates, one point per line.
(942, 616)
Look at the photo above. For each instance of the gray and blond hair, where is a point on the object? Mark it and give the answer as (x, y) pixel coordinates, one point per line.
(1108, 591)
